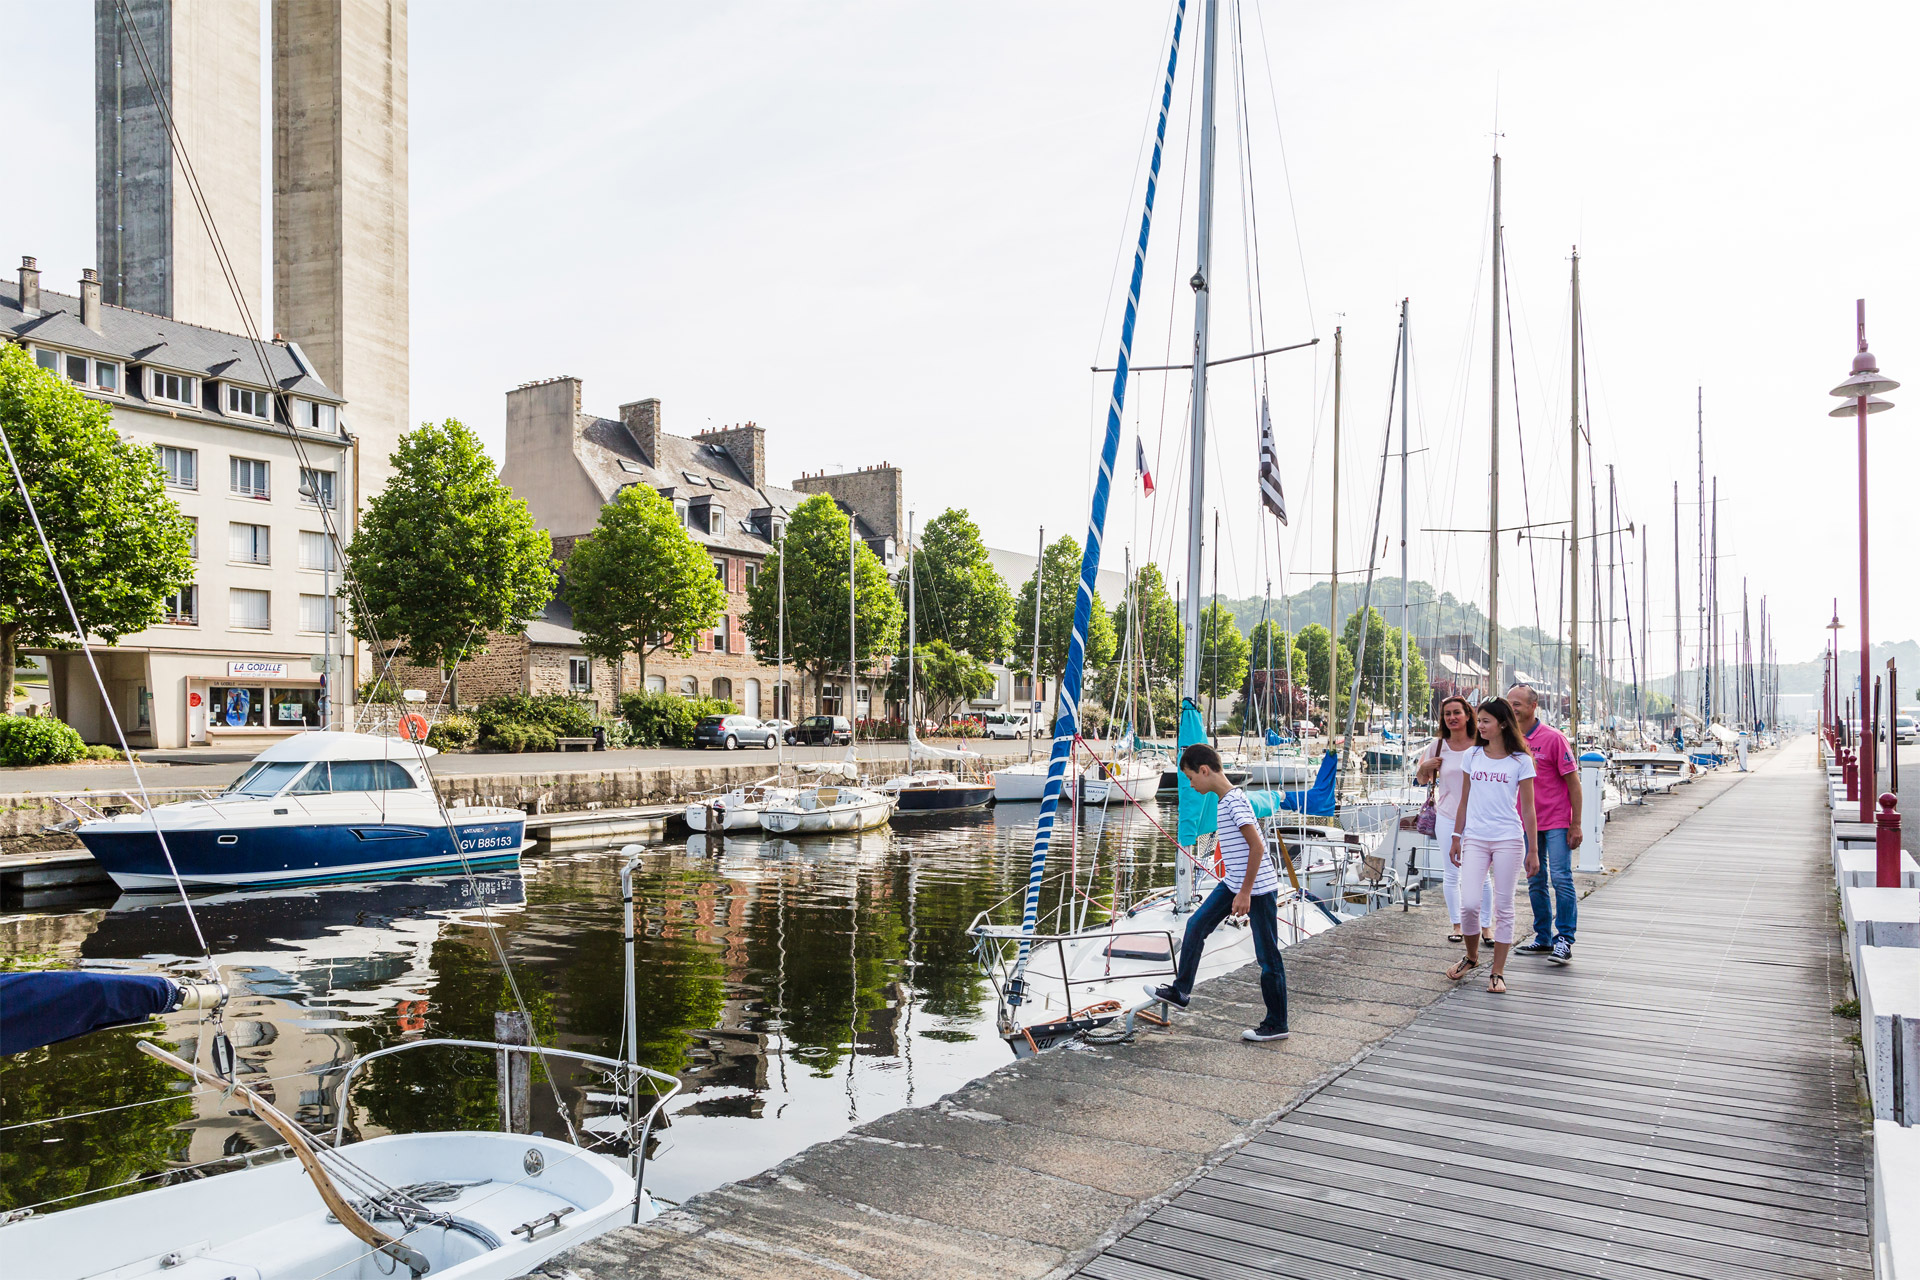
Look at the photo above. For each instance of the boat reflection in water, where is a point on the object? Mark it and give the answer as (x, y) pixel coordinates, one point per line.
(794, 987)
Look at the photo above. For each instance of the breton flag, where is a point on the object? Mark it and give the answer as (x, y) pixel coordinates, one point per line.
(1140, 465)
(1270, 493)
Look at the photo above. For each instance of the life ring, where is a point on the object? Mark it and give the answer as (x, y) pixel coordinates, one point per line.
(414, 726)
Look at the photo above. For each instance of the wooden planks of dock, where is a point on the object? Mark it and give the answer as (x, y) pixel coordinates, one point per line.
(1679, 1102)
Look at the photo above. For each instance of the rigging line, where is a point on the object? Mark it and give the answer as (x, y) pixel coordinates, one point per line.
(349, 581)
(1519, 430)
(113, 715)
(1173, 298)
(1300, 249)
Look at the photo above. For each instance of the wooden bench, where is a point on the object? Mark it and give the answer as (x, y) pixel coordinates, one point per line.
(568, 744)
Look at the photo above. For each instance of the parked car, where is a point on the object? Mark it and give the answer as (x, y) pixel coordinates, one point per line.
(818, 730)
(1008, 724)
(733, 732)
(781, 727)
(1905, 730)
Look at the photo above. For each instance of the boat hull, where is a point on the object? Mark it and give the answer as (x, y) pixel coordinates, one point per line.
(1027, 785)
(952, 799)
(261, 857)
(839, 817)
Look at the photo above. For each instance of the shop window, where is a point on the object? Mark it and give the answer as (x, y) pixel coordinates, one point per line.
(238, 706)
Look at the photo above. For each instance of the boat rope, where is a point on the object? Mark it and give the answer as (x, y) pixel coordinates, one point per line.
(1068, 716)
(113, 715)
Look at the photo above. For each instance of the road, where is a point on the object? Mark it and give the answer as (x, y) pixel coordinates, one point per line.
(212, 767)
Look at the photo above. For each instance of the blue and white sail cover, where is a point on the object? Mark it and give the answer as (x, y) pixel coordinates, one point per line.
(1067, 723)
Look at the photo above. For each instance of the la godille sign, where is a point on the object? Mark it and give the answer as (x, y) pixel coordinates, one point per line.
(254, 669)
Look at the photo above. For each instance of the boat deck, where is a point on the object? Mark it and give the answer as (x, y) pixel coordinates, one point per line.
(1678, 1102)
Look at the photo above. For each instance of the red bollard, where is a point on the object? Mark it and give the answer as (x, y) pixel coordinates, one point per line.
(1886, 843)
(1852, 773)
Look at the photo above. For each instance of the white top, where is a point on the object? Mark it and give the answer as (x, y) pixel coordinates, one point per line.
(332, 744)
(1235, 812)
(1493, 799)
(1447, 788)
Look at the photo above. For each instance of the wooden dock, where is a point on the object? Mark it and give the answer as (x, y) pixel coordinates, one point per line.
(1679, 1102)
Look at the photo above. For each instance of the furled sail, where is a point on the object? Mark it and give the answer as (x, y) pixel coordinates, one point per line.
(38, 1009)
(1067, 722)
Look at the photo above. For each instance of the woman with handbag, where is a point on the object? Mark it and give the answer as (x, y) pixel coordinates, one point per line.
(1443, 771)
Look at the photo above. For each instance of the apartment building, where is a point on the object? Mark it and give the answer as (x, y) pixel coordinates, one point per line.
(260, 459)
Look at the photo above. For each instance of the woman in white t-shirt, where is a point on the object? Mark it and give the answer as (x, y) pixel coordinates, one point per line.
(1445, 769)
(1494, 827)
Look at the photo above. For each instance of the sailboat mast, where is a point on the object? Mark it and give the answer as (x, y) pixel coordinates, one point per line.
(1573, 559)
(1333, 595)
(912, 634)
(782, 711)
(1405, 356)
(1679, 658)
(1646, 655)
(853, 636)
(1700, 585)
(1493, 457)
(1039, 682)
(1213, 625)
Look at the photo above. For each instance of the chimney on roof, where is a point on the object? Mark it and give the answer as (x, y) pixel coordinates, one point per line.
(642, 420)
(90, 299)
(29, 286)
(747, 446)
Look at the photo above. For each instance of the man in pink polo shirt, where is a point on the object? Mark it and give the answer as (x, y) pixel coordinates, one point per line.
(1556, 806)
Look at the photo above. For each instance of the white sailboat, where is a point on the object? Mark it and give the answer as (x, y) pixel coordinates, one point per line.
(1079, 975)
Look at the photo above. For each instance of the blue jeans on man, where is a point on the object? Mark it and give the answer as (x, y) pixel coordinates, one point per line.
(1554, 914)
(1263, 917)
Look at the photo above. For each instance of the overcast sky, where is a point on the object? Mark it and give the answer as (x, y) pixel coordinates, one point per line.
(892, 232)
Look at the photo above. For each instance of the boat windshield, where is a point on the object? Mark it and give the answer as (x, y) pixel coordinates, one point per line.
(264, 778)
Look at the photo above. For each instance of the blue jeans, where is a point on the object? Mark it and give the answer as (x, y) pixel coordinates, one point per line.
(1263, 916)
(1556, 865)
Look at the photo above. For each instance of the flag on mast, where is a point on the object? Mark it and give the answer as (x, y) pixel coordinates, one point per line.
(1140, 466)
(1270, 493)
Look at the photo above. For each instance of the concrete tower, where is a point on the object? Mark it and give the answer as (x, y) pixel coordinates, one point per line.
(203, 57)
(340, 207)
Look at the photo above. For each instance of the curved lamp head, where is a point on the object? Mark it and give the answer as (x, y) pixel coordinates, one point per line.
(1866, 379)
(1874, 405)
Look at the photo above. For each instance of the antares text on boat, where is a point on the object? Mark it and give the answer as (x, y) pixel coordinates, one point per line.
(316, 808)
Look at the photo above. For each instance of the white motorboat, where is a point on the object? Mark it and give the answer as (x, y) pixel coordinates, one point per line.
(736, 810)
(1122, 778)
(1025, 781)
(827, 805)
(317, 808)
(1291, 769)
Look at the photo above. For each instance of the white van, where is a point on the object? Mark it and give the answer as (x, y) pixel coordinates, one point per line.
(1008, 724)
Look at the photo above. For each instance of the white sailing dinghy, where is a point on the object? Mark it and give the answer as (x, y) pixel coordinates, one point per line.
(1080, 976)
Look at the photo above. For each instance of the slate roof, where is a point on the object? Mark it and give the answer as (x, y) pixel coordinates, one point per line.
(136, 337)
(612, 459)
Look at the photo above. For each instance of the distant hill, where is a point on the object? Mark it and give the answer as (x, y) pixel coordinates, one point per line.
(1803, 678)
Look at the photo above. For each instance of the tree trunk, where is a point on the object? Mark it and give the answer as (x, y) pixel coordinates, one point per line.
(9, 662)
(453, 687)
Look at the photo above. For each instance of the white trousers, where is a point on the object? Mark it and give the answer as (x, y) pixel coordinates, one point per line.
(1506, 858)
(1450, 877)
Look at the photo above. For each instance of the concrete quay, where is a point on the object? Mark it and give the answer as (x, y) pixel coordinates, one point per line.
(1040, 1167)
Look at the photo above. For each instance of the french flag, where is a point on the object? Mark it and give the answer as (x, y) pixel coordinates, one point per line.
(1140, 465)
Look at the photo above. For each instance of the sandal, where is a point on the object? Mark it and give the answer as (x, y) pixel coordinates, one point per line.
(1455, 937)
(1462, 968)
(1497, 983)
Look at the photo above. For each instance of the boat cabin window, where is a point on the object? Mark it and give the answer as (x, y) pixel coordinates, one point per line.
(353, 775)
(265, 778)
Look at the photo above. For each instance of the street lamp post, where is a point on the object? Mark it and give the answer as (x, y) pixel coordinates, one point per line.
(1863, 387)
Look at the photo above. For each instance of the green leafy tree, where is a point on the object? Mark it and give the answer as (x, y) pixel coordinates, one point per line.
(1060, 572)
(446, 555)
(122, 544)
(639, 583)
(814, 550)
(1312, 646)
(944, 679)
(1380, 682)
(1223, 653)
(961, 599)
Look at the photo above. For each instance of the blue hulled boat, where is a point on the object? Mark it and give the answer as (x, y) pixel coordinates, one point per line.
(318, 808)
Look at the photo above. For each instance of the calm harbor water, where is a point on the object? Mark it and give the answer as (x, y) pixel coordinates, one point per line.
(795, 987)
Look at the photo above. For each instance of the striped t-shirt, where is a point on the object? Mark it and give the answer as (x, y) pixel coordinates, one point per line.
(1236, 812)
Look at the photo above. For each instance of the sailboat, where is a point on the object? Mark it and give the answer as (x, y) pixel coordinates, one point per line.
(1026, 780)
(835, 802)
(918, 792)
(1080, 975)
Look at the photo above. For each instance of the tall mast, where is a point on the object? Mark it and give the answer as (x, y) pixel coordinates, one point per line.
(1700, 586)
(1678, 659)
(1713, 604)
(912, 733)
(1493, 469)
(1213, 622)
(853, 636)
(782, 708)
(1573, 577)
(1037, 702)
(1404, 388)
(1613, 562)
(1333, 597)
(1646, 655)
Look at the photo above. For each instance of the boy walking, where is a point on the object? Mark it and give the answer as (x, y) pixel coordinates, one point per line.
(1556, 802)
(1248, 887)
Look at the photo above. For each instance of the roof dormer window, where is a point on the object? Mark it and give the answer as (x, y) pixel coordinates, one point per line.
(245, 402)
(174, 388)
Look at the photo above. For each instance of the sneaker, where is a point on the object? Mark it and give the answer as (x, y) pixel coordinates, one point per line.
(1562, 951)
(1264, 1032)
(1533, 949)
(1168, 994)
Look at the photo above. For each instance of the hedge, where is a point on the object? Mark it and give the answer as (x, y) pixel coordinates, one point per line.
(26, 740)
